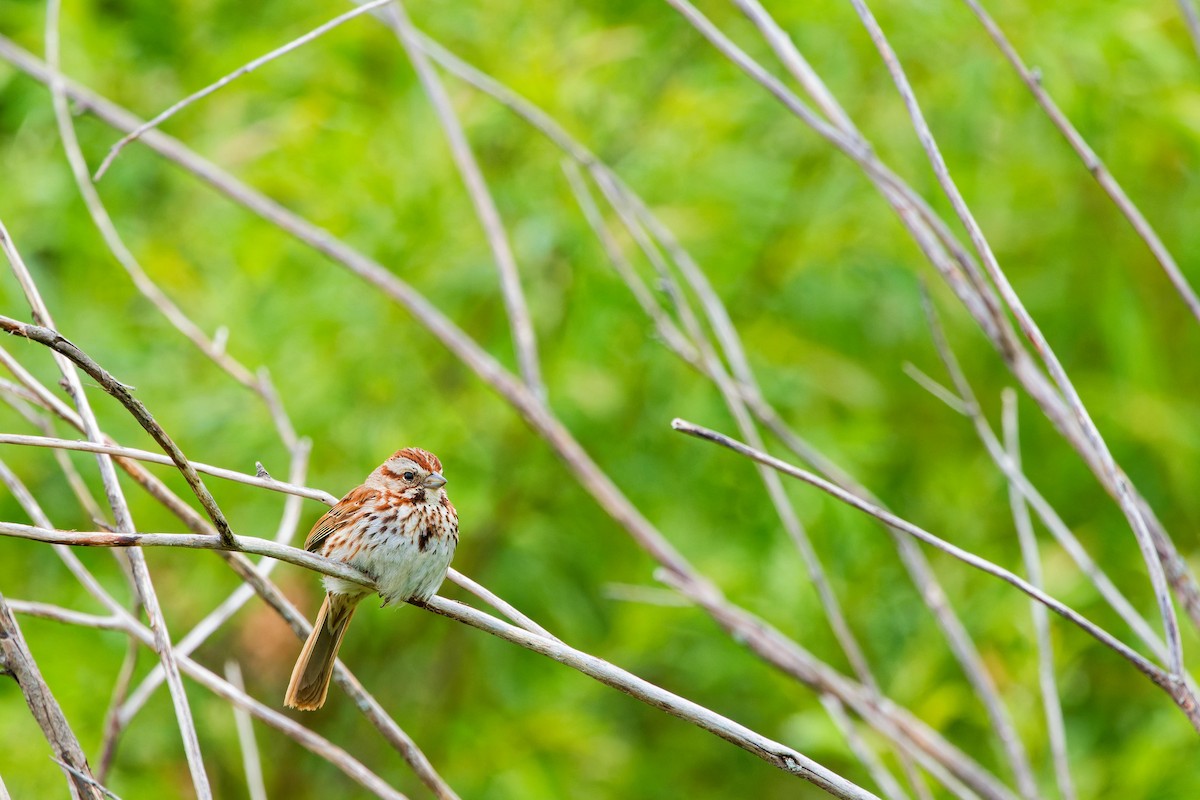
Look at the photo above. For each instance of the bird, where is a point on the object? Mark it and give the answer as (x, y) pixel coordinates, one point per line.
(400, 528)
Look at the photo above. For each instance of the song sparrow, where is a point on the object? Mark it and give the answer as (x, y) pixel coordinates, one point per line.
(398, 527)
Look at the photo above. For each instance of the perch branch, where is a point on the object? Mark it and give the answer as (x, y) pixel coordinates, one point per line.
(774, 753)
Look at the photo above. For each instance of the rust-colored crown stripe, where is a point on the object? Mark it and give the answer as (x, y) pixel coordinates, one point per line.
(423, 458)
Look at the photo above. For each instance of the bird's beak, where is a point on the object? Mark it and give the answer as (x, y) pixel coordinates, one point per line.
(435, 481)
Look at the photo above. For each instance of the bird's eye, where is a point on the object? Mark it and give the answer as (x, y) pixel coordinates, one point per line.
(408, 476)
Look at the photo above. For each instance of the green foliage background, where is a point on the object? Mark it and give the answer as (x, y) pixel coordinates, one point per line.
(819, 276)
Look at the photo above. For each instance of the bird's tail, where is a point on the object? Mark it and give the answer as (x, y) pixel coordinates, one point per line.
(310, 676)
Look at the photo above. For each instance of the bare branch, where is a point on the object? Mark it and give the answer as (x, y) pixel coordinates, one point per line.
(59, 344)
(158, 458)
(1095, 166)
(931, 750)
(745, 394)
(498, 603)
(138, 572)
(230, 606)
(112, 722)
(223, 689)
(1192, 19)
(251, 760)
(780, 756)
(32, 608)
(1155, 566)
(85, 777)
(884, 779)
(963, 275)
(245, 570)
(1050, 518)
(1169, 683)
(1033, 567)
(708, 363)
(245, 69)
(797, 65)
(17, 661)
(772, 752)
(524, 338)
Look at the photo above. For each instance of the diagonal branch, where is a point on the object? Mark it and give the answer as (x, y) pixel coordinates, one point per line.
(138, 572)
(18, 662)
(245, 69)
(1051, 704)
(524, 338)
(59, 344)
(780, 756)
(763, 640)
(1192, 19)
(963, 275)
(1094, 164)
(308, 739)
(1171, 684)
(1156, 565)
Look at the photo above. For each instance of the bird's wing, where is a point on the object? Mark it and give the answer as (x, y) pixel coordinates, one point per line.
(339, 516)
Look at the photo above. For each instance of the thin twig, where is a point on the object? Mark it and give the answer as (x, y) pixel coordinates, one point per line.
(245, 69)
(112, 722)
(1046, 512)
(17, 661)
(1091, 161)
(932, 386)
(1155, 564)
(139, 572)
(83, 776)
(1192, 19)
(772, 752)
(795, 63)
(962, 273)
(223, 689)
(367, 705)
(716, 372)
(158, 458)
(879, 772)
(710, 365)
(498, 603)
(956, 770)
(1160, 677)
(304, 736)
(1051, 704)
(251, 761)
(33, 608)
(523, 336)
(745, 393)
(230, 606)
(60, 344)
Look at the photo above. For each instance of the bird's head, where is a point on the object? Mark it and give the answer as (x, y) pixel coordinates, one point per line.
(413, 473)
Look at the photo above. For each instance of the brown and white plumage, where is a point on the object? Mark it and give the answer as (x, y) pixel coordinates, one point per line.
(400, 528)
